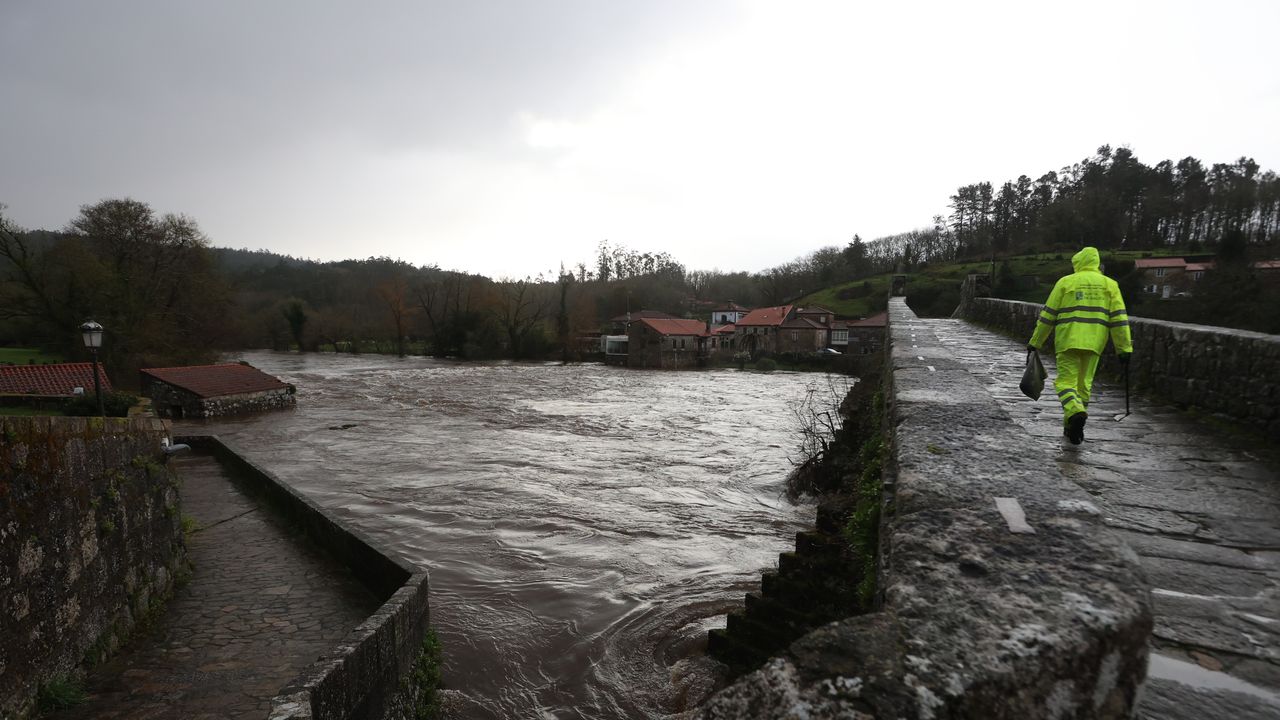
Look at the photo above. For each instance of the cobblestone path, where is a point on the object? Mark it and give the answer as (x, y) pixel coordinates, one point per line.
(261, 605)
(1200, 505)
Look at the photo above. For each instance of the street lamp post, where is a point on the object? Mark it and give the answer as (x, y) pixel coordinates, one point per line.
(92, 332)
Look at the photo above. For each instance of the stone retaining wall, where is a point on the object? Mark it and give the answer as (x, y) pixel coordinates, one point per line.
(1233, 372)
(90, 543)
(165, 398)
(976, 617)
(367, 674)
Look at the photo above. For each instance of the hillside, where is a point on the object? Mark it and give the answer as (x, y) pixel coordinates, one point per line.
(933, 290)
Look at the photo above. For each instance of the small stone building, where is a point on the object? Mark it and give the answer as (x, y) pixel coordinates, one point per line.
(666, 343)
(207, 391)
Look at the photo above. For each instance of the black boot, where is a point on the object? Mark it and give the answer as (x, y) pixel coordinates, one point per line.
(1075, 428)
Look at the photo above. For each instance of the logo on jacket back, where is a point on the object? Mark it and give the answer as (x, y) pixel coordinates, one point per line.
(1079, 294)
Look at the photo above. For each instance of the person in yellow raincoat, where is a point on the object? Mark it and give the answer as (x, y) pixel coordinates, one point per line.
(1084, 310)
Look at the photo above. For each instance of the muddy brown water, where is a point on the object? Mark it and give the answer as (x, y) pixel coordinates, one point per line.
(583, 525)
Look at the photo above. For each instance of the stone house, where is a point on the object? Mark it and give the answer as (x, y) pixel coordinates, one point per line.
(787, 329)
(206, 391)
(866, 336)
(759, 331)
(802, 334)
(666, 343)
(1167, 276)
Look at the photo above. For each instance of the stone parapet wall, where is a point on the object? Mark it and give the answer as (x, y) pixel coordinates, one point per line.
(1001, 594)
(368, 674)
(90, 543)
(1233, 372)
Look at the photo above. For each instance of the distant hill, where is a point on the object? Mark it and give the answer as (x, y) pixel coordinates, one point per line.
(235, 261)
(933, 290)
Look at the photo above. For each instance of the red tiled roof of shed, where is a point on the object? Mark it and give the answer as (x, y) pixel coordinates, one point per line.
(766, 316)
(216, 380)
(56, 379)
(673, 326)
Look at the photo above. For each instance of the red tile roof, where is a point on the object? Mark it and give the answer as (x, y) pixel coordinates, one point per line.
(57, 379)
(723, 329)
(215, 380)
(1145, 263)
(877, 320)
(803, 323)
(731, 307)
(766, 316)
(673, 326)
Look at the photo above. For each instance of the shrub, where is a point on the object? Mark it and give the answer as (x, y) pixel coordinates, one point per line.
(766, 364)
(115, 404)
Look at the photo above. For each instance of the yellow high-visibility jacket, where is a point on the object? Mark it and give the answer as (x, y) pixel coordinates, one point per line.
(1084, 308)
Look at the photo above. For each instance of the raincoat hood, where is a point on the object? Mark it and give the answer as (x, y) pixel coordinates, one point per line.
(1086, 259)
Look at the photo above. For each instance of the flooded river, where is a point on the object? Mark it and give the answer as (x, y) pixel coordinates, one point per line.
(583, 526)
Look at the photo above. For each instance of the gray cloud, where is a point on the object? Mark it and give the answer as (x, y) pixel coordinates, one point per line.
(106, 97)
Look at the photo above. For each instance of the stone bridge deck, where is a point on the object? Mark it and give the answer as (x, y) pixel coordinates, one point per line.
(260, 607)
(1199, 504)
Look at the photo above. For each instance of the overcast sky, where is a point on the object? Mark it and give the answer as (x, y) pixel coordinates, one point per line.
(507, 137)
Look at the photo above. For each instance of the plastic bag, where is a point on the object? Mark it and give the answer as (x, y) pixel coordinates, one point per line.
(1033, 377)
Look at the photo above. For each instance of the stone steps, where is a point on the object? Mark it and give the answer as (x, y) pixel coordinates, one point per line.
(810, 587)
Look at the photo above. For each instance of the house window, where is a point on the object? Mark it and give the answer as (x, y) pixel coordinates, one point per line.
(1160, 272)
(1197, 275)
(795, 335)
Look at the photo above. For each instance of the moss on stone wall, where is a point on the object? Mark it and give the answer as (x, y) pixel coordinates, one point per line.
(90, 537)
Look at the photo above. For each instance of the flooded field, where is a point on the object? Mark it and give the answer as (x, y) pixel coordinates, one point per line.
(583, 526)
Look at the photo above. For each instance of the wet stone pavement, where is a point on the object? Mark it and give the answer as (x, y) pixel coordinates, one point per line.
(1198, 503)
(261, 606)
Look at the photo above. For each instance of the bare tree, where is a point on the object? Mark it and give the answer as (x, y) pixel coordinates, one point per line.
(520, 308)
(819, 419)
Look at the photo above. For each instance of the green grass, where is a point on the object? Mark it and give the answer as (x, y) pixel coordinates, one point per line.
(941, 280)
(22, 356)
(853, 307)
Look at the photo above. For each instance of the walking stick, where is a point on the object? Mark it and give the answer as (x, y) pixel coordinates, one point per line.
(1126, 394)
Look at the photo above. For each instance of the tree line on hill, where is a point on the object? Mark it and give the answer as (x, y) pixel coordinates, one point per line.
(167, 297)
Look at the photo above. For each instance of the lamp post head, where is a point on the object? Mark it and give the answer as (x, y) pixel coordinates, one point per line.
(92, 332)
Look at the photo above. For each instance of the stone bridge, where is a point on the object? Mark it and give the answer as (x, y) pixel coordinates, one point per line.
(1021, 576)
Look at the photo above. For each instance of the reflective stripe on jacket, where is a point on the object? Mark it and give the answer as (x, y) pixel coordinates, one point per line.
(1084, 309)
